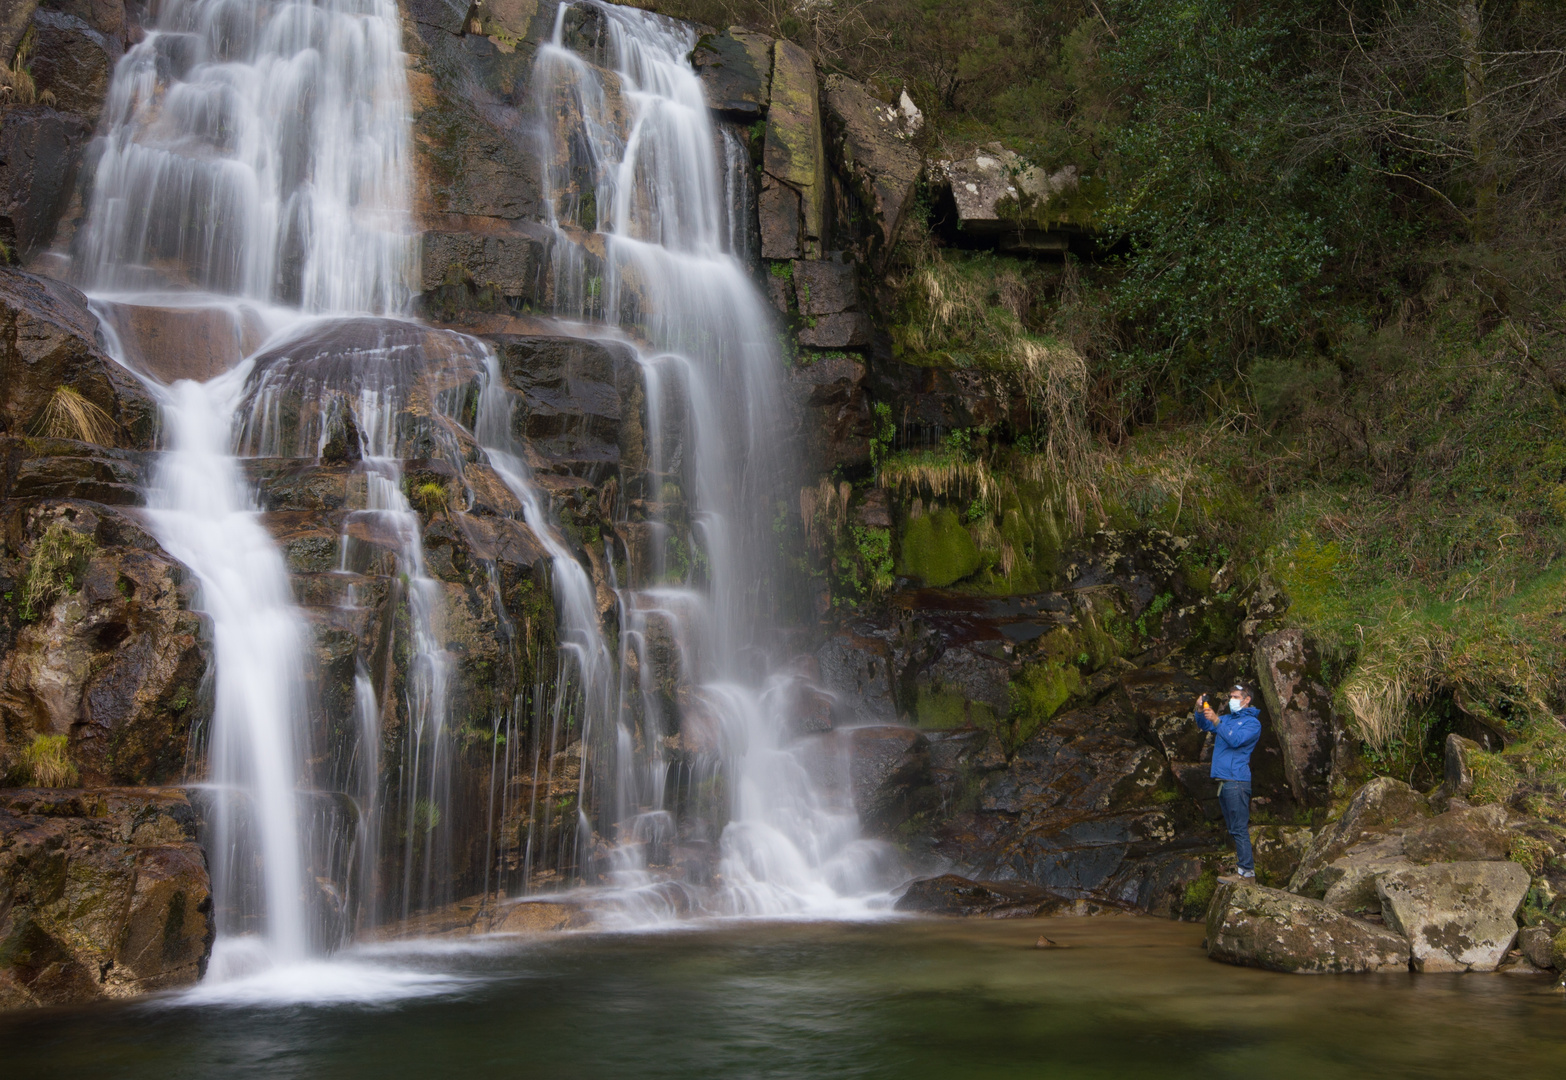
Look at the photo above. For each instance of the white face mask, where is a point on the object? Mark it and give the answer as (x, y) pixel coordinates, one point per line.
(1236, 704)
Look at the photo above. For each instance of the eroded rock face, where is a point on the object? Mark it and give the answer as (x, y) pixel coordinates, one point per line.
(889, 773)
(1457, 916)
(103, 893)
(1255, 926)
(40, 155)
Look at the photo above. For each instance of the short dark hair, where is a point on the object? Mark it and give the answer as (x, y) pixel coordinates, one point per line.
(1242, 688)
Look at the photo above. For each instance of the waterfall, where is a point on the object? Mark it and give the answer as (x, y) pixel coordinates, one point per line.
(744, 804)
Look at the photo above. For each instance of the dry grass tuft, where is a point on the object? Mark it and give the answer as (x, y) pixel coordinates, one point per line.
(71, 416)
(47, 763)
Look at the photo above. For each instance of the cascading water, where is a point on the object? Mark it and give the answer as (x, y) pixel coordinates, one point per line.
(259, 152)
(671, 276)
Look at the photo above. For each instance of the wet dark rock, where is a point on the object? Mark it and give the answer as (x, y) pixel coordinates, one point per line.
(825, 287)
(1381, 807)
(735, 67)
(950, 894)
(571, 407)
(1299, 706)
(857, 668)
(49, 339)
(105, 894)
(960, 760)
(72, 61)
(1255, 926)
(1462, 834)
(40, 154)
(41, 468)
(889, 774)
(1080, 801)
(1458, 916)
(870, 146)
(834, 415)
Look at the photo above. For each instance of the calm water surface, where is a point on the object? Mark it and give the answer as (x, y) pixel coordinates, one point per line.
(1124, 998)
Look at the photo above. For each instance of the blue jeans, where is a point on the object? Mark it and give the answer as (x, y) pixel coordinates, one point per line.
(1234, 798)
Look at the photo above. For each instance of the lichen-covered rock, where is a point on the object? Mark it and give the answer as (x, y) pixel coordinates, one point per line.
(1351, 879)
(1457, 916)
(1255, 926)
(1458, 780)
(103, 893)
(998, 195)
(871, 149)
(736, 71)
(48, 340)
(1462, 834)
(1381, 807)
(1300, 709)
(1278, 850)
(793, 188)
(951, 894)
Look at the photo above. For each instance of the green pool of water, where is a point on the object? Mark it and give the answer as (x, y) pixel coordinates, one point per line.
(1122, 998)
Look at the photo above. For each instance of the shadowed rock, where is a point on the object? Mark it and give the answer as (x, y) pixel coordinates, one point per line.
(950, 894)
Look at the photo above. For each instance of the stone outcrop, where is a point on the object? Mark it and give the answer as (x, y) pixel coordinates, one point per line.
(999, 199)
(793, 197)
(872, 150)
(1462, 834)
(103, 893)
(736, 71)
(889, 774)
(40, 154)
(1458, 916)
(1255, 926)
(1289, 674)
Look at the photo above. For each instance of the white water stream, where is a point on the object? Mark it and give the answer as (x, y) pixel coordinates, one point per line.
(260, 150)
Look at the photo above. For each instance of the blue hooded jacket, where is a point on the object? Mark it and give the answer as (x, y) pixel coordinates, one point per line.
(1238, 734)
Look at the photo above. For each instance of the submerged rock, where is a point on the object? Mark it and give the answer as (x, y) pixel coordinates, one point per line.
(1255, 926)
(1457, 916)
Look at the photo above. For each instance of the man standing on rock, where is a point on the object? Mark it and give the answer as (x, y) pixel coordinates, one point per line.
(1236, 735)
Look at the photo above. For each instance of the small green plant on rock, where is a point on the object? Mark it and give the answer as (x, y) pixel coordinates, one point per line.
(54, 568)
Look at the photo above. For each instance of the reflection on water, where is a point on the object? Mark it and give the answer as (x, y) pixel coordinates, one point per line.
(1125, 998)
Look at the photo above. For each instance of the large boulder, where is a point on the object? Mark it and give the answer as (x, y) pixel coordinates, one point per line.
(1381, 807)
(999, 198)
(736, 71)
(49, 340)
(1462, 834)
(873, 151)
(1255, 926)
(1351, 879)
(793, 184)
(103, 893)
(1300, 707)
(1457, 916)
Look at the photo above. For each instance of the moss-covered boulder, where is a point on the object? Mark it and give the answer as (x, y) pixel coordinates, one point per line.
(1254, 926)
(938, 549)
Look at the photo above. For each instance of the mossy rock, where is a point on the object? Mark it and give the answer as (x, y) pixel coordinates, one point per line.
(938, 550)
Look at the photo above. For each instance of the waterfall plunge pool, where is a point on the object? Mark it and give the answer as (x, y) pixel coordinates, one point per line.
(1123, 998)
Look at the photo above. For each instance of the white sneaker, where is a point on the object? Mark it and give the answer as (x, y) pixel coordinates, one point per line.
(1246, 875)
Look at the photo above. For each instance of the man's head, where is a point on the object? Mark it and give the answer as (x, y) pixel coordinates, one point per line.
(1239, 697)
